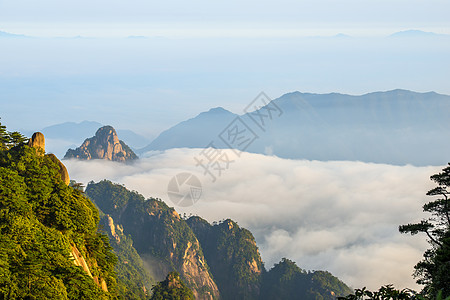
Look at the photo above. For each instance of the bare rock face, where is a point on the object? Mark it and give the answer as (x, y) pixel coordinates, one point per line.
(37, 141)
(104, 145)
(62, 168)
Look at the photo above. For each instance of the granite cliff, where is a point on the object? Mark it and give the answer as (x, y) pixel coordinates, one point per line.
(37, 141)
(104, 145)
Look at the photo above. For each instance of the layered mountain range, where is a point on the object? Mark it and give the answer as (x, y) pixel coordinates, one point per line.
(395, 127)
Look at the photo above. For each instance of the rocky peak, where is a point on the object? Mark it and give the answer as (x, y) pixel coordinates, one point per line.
(37, 141)
(104, 145)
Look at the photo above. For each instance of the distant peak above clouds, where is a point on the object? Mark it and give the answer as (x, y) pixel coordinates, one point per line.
(394, 127)
(416, 33)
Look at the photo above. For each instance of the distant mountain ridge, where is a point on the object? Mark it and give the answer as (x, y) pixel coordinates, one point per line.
(416, 33)
(71, 130)
(394, 127)
(192, 133)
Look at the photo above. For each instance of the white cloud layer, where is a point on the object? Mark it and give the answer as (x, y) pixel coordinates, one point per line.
(337, 216)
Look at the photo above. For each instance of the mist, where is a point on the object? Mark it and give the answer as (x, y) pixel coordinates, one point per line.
(337, 216)
(150, 84)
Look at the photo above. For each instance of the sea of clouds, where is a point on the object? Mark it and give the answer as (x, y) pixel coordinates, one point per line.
(340, 216)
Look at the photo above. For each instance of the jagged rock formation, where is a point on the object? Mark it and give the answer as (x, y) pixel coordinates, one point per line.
(104, 145)
(37, 141)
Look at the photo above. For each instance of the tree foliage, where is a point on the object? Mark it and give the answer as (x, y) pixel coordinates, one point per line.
(287, 281)
(434, 270)
(172, 288)
(388, 292)
(41, 221)
(10, 139)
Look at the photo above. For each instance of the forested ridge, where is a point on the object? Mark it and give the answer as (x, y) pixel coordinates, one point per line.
(46, 229)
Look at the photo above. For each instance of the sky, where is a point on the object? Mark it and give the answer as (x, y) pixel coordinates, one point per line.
(104, 18)
(337, 216)
(167, 61)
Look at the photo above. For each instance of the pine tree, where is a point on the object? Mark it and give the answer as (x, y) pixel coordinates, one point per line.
(434, 270)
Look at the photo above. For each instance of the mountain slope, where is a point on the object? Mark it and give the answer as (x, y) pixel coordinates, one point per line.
(160, 236)
(75, 132)
(233, 257)
(49, 244)
(193, 133)
(134, 282)
(396, 127)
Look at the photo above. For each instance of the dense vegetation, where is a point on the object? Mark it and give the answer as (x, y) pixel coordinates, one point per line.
(434, 270)
(287, 281)
(172, 288)
(43, 223)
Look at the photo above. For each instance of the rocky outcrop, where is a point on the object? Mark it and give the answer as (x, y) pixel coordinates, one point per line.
(79, 261)
(112, 228)
(104, 145)
(37, 141)
(62, 168)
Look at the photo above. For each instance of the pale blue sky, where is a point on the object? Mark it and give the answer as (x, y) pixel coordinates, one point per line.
(201, 17)
(203, 54)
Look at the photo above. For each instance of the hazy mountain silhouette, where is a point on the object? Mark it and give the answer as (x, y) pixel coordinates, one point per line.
(4, 34)
(395, 127)
(412, 33)
(193, 133)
